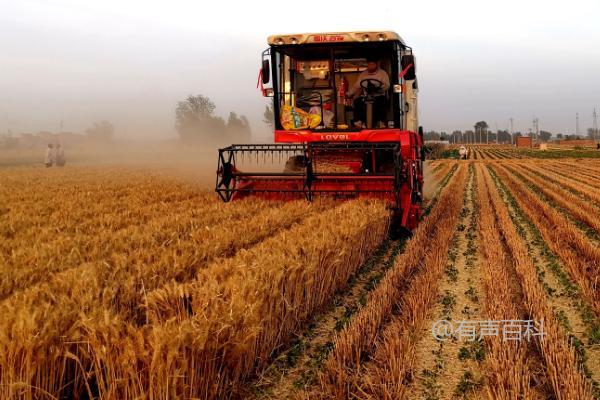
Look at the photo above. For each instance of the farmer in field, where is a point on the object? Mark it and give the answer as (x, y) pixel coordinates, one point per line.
(379, 106)
(49, 156)
(463, 153)
(60, 156)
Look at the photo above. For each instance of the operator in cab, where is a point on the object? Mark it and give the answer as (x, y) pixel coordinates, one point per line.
(379, 81)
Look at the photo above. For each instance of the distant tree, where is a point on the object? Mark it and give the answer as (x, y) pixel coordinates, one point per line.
(101, 132)
(545, 136)
(238, 128)
(269, 116)
(431, 135)
(468, 136)
(504, 136)
(456, 136)
(481, 125)
(480, 129)
(559, 136)
(194, 120)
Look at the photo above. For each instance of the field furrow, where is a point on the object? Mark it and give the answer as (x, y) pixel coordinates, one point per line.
(563, 371)
(579, 188)
(357, 340)
(388, 373)
(568, 305)
(578, 254)
(507, 364)
(296, 369)
(441, 365)
(578, 208)
(575, 173)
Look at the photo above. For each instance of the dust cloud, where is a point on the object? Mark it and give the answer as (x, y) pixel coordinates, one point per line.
(195, 163)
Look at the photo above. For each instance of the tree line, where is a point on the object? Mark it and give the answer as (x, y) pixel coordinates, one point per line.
(196, 122)
(481, 134)
(100, 133)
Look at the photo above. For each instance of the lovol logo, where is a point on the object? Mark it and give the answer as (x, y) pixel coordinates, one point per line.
(337, 136)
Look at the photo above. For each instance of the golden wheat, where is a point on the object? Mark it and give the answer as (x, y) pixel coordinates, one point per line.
(95, 327)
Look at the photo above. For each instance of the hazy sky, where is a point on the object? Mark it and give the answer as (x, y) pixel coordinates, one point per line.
(131, 61)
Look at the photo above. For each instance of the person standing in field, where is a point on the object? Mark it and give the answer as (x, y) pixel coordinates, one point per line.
(60, 156)
(49, 160)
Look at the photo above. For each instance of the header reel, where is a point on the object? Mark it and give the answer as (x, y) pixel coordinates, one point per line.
(340, 170)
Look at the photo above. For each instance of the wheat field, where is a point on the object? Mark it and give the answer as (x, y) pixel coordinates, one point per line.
(131, 283)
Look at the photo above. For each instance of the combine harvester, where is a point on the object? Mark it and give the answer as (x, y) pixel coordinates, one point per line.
(327, 144)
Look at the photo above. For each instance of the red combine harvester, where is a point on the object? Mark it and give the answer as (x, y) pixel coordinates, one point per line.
(346, 126)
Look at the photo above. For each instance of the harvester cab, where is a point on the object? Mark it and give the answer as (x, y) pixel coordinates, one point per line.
(345, 124)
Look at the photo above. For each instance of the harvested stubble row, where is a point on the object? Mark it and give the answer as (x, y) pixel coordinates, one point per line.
(357, 340)
(582, 165)
(506, 154)
(488, 154)
(60, 341)
(506, 366)
(566, 378)
(387, 374)
(576, 252)
(590, 167)
(442, 170)
(512, 153)
(588, 192)
(500, 154)
(580, 209)
(574, 172)
(439, 186)
(435, 165)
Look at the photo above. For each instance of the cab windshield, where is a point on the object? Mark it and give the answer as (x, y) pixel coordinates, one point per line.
(320, 80)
